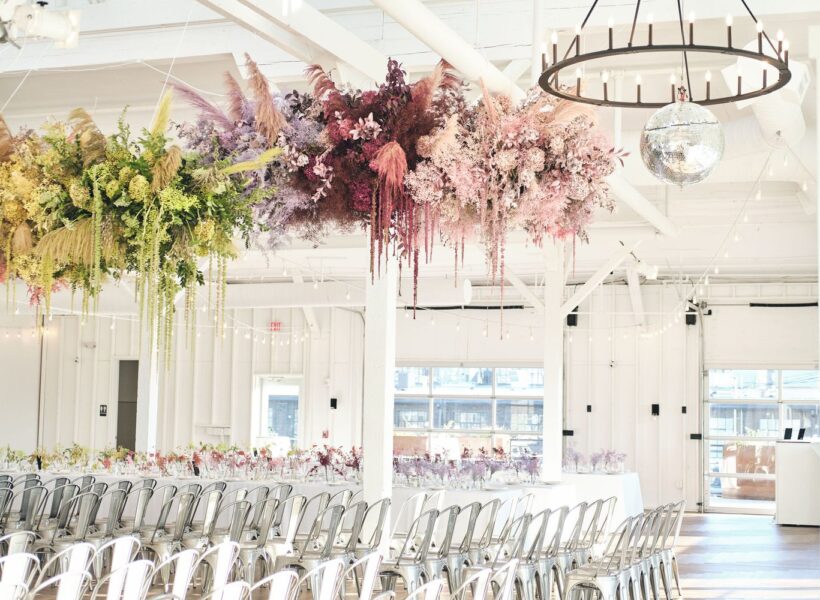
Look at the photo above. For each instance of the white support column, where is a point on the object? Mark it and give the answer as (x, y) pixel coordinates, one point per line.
(147, 396)
(380, 364)
(553, 426)
(814, 52)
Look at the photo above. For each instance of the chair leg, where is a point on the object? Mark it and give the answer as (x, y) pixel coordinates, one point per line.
(665, 576)
(676, 574)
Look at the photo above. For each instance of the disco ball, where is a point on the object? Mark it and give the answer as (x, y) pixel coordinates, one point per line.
(682, 143)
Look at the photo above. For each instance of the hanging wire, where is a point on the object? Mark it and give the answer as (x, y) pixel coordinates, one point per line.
(634, 22)
(685, 57)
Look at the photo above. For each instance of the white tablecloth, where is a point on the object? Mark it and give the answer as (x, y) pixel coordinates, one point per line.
(626, 487)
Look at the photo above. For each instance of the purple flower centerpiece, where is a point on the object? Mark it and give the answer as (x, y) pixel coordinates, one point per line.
(571, 459)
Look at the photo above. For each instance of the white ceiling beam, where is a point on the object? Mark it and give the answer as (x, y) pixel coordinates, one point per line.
(291, 42)
(598, 278)
(525, 291)
(310, 314)
(516, 68)
(422, 22)
(301, 19)
(625, 192)
(635, 296)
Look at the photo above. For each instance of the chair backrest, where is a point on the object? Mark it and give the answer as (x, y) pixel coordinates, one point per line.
(319, 503)
(190, 488)
(123, 551)
(282, 585)
(56, 488)
(512, 543)
(670, 538)
(555, 531)
(267, 509)
(6, 498)
(589, 528)
(370, 563)
(221, 558)
(536, 535)
(19, 541)
(409, 511)
(373, 526)
(124, 485)
(207, 506)
(85, 482)
(55, 499)
(181, 505)
(256, 497)
(76, 557)
(70, 586)
(351, 526)
(615, 555)
(445, 526)
(419, 537)
(606, 518)
(288, 517)
(116, 504)
(504, 578)
(81, 507)
(141, 498)
(575, 520)
(238, 516)
(19, 568)
(30, 498)
(341, 497)
(216, 485)
(129, 582)
(326, 579)
(467, 517)
(324, 531)
(237, 590)
(280, 491)
(182, 565)
(429, 591)
(478, 583)
(147, 482)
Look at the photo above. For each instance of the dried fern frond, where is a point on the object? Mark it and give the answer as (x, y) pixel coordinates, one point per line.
(269, 121)
(163, 115)
(206, 109)
(22, 241)
(236, 98)
(165, 169)
(260, 162)
(92, 140)
(6, 140)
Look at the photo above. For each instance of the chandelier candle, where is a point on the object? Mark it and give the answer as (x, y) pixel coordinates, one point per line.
(691, 28)
(729, 30)
(759, 37)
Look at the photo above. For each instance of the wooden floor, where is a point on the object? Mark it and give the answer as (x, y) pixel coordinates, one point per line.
(748, 557)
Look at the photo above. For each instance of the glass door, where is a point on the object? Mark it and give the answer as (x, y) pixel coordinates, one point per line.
(746, 412)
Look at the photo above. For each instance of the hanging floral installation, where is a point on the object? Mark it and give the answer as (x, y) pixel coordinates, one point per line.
(412, 163)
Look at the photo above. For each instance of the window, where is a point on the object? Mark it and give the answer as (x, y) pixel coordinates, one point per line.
(747, 412)
(447, 409)
(280, 411)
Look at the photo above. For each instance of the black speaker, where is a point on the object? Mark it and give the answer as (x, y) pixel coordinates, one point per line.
(572, 318)
(333, 403)
(656, 410)
(691, 317)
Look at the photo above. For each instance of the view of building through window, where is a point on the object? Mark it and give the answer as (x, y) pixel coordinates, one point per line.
(447, 409)
(747, 411)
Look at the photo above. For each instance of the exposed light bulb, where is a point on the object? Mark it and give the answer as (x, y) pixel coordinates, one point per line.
(758, 194)
(650, 18)
(604, 76)
(691, 16)
(638, 79)
(729, 20)
(554, 37)
(672, 79)
(805, 186)
(780, 35)
(347, 295)
(759, 26)
(708, 76)
(717, 269)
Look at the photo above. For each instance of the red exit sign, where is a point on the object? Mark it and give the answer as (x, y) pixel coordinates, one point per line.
(276, 325)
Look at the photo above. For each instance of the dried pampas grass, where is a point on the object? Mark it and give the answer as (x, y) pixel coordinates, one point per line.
(163, 115)
(166, 168)
(236, 98)
(76, 244)
(269, 120)
(22, 241)
(91, 139)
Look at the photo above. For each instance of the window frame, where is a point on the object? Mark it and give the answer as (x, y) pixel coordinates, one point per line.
(492, 398)
(263, 434)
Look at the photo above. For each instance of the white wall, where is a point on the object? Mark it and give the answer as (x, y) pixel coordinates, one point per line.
(206, 395)
(19, 383)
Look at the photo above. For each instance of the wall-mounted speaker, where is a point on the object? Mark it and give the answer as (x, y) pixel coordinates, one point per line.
(656, 410)
(572, 318)
(334, 404)
(691, 317)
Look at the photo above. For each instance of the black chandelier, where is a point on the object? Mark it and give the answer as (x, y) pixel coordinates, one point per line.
(573, 57)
